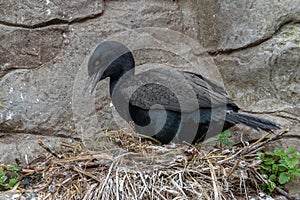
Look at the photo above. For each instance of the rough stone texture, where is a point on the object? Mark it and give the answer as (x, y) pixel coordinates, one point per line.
(35, 13)
(25, 147)
(230, 25)
(33, 86)
(269, 82)
(12, 194)
(17, 195)
(45, 46)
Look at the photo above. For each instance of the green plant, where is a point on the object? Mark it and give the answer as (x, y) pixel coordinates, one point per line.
(9, 176)
(223, 138)
(278, 167)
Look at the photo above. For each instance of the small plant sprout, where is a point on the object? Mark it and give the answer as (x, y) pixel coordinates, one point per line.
(278, 167)
(223, 139)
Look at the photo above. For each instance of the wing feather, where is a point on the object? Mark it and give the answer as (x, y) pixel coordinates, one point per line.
(174, 90)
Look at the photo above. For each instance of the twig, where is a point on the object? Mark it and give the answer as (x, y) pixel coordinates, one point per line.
(87, 174)
(284, 193)
(107, 177)
(217, 192)
(244, 184)
(89, 192)
(258, 145)
(178, 187)
(64, 144)
(161, 196)
(117, 184)
(233, 168)
(149, 138)
(233, 156)
(217, 156)
(261, 139)
(255, 150)
(242, 139)
(145, 185)
(131, 186)
(49, 150)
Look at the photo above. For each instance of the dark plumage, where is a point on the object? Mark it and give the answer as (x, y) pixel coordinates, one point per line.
(166, 103)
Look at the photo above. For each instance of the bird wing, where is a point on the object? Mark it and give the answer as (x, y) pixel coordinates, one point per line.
(209, 94)
(173, 90)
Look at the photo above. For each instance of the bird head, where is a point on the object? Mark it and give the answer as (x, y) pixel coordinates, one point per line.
(109, 59)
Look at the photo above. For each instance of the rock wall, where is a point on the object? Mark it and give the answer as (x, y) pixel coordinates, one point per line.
(45, 45)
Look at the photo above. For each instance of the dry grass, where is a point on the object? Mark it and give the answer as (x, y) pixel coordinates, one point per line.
(140, 169)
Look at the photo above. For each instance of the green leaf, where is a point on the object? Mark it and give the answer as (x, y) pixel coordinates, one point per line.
(264, 186)
(3, 179)
(11, 183)
(2, 172)
(275, 168)
(282, 167)
(271, 186)
(291, 150)
(280, 152)
(14, 168)
(199, 144)
(278, 167)
(291, 162)
(296, 172)
(297, 156)
(269, 161)
(262, 172)
(284, 177)
(273, 178)
(261, 155)
(270, 153)
(266, 167)
(223, 138)
(227, 133)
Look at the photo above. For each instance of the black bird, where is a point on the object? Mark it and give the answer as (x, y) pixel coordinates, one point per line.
(166, 103)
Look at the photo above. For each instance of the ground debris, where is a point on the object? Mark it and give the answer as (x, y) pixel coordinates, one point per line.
(141, 169)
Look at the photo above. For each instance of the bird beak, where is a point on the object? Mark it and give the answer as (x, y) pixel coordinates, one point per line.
(92, 81)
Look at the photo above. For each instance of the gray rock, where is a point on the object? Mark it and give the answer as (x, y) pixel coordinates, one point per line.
(293, 187)
(12, 195)
(265, 72)
(33, 86)
(25, 147)
(230, 25)
(35, 13)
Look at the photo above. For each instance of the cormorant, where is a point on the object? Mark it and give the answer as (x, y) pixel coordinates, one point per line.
(165, 103)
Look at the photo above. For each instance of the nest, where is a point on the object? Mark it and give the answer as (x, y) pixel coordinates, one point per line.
(140, 169)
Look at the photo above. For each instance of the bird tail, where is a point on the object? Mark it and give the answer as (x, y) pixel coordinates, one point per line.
(251, 121)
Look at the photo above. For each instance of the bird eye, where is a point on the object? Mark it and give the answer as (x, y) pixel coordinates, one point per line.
(97, 62)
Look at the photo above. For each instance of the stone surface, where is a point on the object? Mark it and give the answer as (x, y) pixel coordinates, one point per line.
(33, 86)
(266, 76)
(25, 146)
(230, 25)
(17, 195)
(12, 195)
(45, 46)
(31, 14)
(293, 187)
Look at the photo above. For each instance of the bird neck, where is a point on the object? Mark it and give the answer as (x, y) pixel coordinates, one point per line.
(126, 65)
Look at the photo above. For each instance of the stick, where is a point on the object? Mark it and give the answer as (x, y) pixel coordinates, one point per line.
(49, 150)
(87, 174)
(233, 168)
(214, 181)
